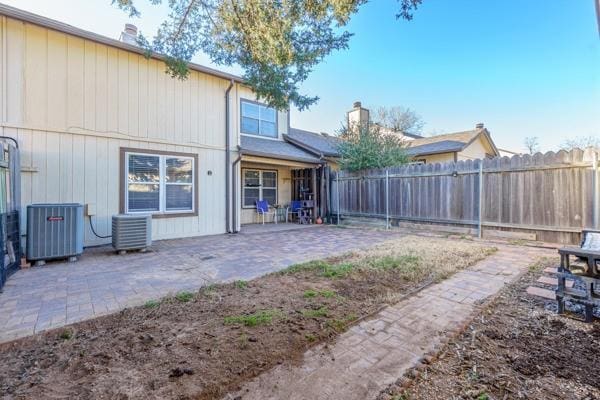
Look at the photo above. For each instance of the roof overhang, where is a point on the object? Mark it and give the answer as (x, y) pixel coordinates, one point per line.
(308, 148)
(245, 152)
(261, 159)
(488, 137)
(52, 24)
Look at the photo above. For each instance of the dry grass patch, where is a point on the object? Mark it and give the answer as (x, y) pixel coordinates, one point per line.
(416, 258)
(202, 345)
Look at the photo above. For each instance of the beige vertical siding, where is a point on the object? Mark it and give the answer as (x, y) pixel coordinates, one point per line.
(72, 103)
(437, 158)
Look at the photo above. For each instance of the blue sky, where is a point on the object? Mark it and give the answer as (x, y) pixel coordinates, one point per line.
(523, 67)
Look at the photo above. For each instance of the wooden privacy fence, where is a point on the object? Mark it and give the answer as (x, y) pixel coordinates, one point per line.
(549, 197)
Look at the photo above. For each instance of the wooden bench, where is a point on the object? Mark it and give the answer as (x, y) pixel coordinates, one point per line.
(589, 253)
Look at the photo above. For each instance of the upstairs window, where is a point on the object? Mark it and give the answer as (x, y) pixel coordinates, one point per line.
(159, 183)
(258, 119)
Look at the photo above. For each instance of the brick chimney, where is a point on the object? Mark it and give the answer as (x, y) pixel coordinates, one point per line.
(129, 34)
(358, 116)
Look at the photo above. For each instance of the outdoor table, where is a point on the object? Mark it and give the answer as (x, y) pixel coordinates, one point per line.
(589, 275)
(280, 213)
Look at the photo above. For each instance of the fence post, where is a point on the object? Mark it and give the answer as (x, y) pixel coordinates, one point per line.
(596, 192)
(480, 231)
(387, 198)
(337, 188)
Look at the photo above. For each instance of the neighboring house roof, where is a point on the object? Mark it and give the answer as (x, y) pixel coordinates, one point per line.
(509, 153)
(391, 131)
(255, 146)
(412, 135)
(39, 20)
(318, 144)
(450, 142)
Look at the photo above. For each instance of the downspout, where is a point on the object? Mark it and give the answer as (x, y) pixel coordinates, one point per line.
(227, 162)
(234, 185)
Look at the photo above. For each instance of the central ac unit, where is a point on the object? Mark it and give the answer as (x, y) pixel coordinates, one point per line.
(54, 231)
(131, 232)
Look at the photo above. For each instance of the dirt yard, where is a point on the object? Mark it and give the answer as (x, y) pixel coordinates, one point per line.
(203, 345)
(517, 348)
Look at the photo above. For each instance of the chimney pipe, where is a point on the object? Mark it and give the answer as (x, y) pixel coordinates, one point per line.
(479, 125)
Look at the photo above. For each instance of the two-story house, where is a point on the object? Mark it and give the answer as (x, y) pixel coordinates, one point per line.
(100, 123)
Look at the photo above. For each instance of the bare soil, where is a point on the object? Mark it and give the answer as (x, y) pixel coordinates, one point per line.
(206, 344)
(517, 348)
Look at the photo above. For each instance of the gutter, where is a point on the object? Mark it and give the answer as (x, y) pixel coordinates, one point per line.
(227, 162)
(234, 185)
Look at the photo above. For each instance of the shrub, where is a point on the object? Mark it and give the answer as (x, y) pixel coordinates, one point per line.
(368, 146)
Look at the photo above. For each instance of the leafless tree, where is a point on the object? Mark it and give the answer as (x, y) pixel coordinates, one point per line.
(532, 145)
(399, 119)
(581, 142)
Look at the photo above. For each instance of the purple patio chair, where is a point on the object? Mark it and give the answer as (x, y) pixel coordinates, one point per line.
(262, 209)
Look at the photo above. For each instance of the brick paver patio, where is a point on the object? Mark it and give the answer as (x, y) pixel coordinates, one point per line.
(102, 282)
(373, 354)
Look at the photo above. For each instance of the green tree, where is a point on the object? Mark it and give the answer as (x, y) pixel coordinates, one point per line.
(276, 42)
(368, 146)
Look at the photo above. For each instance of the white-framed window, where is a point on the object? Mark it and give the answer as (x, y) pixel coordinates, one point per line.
(259, 184)
(258, 119)
(159, 183)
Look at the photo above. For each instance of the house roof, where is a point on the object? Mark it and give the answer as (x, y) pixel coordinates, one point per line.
(319, 144)
(450, 142)
(255, 146)
(45, 22)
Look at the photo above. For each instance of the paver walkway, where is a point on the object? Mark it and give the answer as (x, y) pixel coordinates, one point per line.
(373, 354)
(102, 282)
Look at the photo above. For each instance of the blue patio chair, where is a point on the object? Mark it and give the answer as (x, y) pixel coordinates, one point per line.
(293, 209)
(262, 209)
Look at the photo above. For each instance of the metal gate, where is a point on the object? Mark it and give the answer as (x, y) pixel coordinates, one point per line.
(10, 247)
